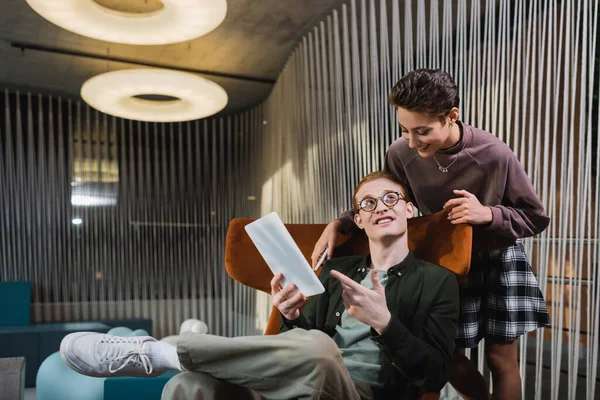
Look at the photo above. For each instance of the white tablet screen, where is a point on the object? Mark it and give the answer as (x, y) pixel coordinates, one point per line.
(282, 254)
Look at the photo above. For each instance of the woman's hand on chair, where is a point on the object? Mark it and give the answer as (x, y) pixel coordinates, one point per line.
(288, 304)
(467, 209)
(326, 241)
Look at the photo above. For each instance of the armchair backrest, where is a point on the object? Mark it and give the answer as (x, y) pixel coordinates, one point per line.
(432, 238)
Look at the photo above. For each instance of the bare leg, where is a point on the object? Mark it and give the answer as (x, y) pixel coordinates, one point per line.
(466, 379)
(503, 363)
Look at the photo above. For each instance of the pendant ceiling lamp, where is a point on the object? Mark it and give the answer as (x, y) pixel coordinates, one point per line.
(171, 21)
(133, 93)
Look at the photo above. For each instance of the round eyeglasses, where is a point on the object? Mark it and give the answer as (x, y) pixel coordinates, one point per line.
(389, 199)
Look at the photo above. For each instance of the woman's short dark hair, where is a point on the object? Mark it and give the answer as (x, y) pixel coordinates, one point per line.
(428, 91)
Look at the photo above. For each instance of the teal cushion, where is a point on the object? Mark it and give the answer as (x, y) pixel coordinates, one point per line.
(15, 302)
(131, 323)
(56, 381)
(136, 388)
(123, 331)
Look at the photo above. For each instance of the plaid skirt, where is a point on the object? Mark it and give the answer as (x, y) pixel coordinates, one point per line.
(500, 299)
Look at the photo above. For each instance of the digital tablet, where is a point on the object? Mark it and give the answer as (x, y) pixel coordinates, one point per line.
(282, 255)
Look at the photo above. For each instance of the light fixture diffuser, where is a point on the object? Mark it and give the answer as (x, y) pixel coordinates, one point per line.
(114, 93)
(176, 21)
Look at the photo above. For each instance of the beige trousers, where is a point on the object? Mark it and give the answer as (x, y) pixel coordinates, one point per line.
(297, 364)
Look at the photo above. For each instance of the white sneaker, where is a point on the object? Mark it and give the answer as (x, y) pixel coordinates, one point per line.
(101, 355)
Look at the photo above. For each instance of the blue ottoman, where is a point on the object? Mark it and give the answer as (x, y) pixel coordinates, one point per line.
(56, 381)
(136, 388)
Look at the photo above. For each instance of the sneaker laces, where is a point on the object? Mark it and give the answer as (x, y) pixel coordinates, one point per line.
(129, 350)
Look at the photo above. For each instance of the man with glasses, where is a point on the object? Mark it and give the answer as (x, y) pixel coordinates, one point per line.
(383, 329)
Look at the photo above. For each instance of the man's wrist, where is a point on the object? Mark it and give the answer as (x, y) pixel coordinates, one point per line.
(292, 319)
(383, 323)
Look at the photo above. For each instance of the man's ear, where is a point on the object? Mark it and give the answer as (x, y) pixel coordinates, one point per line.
(410, 210)
(358, 220)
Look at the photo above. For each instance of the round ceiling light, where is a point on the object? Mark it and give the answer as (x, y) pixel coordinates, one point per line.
(133, 94)
(173, 21)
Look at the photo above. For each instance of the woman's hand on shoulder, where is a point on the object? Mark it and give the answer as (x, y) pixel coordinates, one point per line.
(467, 209)
(326, 242)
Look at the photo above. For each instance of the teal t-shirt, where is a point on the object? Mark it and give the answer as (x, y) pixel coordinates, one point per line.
(361, 355)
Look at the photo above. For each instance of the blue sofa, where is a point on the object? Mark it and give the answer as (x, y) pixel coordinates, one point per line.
(18, 338)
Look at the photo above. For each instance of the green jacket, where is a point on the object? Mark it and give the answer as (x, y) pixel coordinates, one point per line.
(419, 340)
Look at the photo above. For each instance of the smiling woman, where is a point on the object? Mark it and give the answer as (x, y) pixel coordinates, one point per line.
(172, 21)
(449, 165)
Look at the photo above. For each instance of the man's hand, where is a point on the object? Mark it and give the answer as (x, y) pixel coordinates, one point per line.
(467, 209)
(366, 305)
(288, 305)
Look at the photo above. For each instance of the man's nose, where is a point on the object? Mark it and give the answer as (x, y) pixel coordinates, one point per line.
(380, 206)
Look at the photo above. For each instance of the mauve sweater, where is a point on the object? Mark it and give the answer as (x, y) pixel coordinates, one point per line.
(485, 167)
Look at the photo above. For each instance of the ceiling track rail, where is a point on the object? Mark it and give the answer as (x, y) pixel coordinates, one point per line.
(103, 57)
